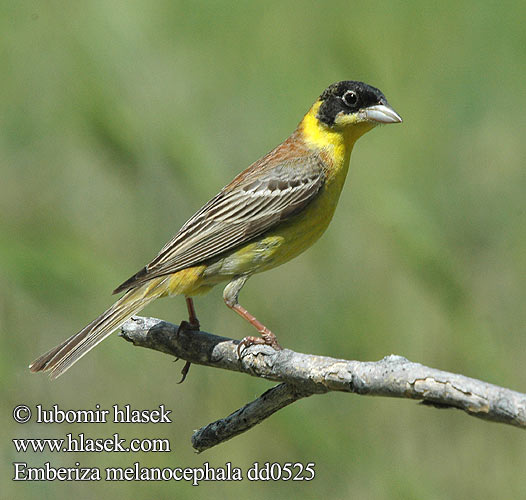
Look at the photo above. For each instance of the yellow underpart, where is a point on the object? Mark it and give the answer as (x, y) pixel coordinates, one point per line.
(188, 282)
(289, 239)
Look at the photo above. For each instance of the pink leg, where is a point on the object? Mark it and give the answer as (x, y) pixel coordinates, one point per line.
(191, 324)
(267, 337)
(192, 318)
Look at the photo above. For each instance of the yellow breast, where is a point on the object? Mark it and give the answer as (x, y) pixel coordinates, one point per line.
(289, 239)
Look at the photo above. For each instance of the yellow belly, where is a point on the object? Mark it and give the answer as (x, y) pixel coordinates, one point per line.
(280, 244)
(270, 250)
(288, 239)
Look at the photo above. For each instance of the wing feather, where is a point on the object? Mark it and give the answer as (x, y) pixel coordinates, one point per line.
(238, 214)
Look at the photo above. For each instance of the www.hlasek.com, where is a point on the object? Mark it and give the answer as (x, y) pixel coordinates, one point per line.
(80, 443)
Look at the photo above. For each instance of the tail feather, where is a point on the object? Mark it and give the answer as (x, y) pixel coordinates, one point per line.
(62, 357)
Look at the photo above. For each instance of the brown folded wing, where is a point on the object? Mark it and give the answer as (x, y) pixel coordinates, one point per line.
(249, 206)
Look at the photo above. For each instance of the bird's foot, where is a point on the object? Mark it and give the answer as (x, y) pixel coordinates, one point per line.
(267, 338)
(184, 372)
(187, 326)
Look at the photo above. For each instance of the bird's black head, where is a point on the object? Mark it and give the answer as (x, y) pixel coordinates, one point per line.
(349, 102)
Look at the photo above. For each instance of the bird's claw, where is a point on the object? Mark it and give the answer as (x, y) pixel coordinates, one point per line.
(186, 326)
(184, 371)
(267, 338)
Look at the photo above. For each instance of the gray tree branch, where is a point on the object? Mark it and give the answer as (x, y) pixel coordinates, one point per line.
(302, 375)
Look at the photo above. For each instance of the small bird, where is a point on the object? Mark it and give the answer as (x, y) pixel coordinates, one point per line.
(270, 213)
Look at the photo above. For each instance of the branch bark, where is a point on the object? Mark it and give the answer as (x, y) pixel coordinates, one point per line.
(303, 375)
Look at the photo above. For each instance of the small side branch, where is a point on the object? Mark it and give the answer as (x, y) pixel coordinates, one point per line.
(302, 375)
(246, 417)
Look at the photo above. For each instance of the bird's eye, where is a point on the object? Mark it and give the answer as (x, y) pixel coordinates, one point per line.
(350, 98)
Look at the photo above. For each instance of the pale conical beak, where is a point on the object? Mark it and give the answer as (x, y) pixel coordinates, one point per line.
(382, 113)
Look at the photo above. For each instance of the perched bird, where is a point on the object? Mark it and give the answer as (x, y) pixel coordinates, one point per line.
(270, 213)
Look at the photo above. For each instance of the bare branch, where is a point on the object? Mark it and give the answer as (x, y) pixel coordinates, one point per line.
(247, 417)
(302, 375)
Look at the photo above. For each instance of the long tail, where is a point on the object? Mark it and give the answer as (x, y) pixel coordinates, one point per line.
(62, 357)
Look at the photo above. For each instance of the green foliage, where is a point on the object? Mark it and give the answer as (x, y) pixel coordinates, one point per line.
(119, 119)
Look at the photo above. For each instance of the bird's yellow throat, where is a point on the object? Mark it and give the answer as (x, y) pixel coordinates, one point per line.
(339, 140)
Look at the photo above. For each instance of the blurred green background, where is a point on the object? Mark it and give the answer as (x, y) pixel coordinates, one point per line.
(119, 119)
